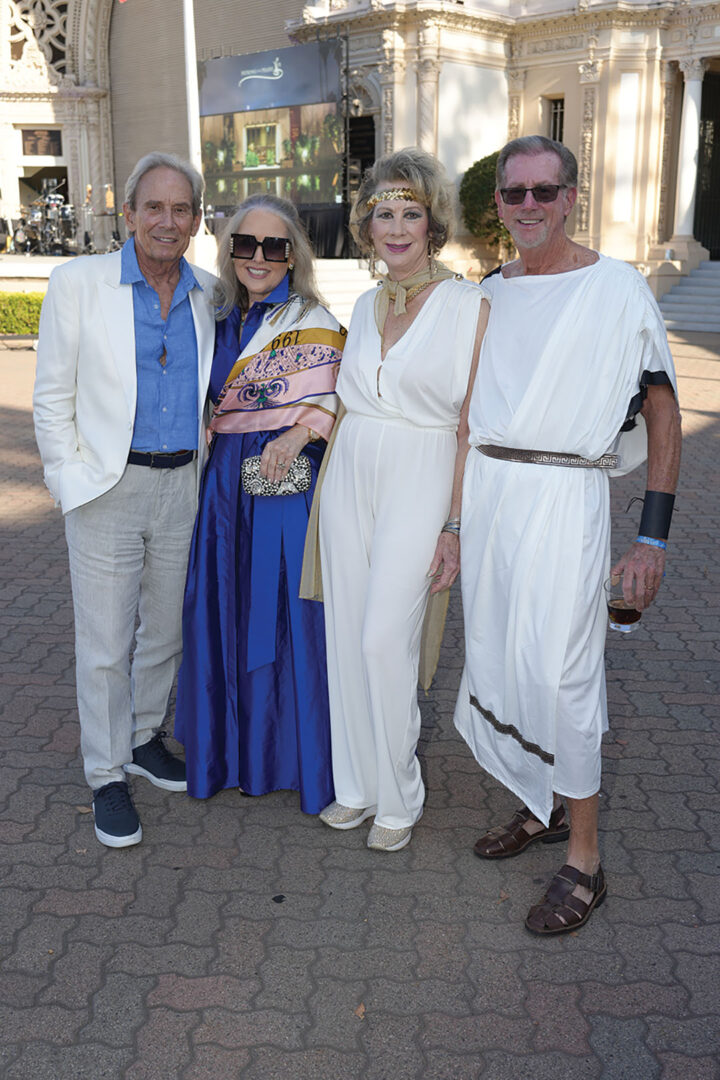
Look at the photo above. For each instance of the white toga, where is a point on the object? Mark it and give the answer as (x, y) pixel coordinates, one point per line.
(561, 368)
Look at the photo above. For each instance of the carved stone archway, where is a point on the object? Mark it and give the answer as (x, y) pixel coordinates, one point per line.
(55, 73)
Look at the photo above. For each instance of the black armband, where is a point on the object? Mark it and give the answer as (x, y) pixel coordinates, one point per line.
(656, 514)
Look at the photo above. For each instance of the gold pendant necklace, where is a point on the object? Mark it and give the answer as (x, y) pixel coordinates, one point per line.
(415, 290)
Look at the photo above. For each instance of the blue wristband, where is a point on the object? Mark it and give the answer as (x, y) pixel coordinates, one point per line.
(652, 542)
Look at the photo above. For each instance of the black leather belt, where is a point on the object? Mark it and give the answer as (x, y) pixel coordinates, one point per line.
(155, 459)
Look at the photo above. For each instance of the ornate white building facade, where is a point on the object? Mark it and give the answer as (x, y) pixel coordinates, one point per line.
(621, 83)
(54, 80)
(624, 83)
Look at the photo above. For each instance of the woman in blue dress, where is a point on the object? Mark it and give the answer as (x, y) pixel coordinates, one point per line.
(252, 702)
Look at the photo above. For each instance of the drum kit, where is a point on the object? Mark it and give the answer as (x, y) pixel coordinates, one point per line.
(51, 226)
(47, 227)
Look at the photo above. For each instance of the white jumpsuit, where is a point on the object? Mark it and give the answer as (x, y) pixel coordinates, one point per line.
(385, 499)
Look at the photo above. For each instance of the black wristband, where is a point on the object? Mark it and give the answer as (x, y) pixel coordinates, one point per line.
(656, 514)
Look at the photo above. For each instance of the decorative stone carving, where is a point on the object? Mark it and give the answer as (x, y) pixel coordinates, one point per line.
(428, 36)
(557, 44)
(514, 108)
(386, 73)
(667, 74)
(393, 44)
(516, 80)
(590, 71)
(388, 94)
(43, 21)
(585, 159)
(692, 68)
(360, 97)
(56, 52)
(390, 71)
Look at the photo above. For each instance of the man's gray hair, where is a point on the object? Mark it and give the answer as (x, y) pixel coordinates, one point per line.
(158, 160)
(531, 145)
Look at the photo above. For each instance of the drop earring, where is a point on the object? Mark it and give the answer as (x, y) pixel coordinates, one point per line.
(371, 265)
(433, 264)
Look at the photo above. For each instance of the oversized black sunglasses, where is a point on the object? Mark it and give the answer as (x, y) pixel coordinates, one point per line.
(274, 248)
(542, 193)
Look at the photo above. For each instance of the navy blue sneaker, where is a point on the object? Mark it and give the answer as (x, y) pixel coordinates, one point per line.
(154, 761)
(116, 821)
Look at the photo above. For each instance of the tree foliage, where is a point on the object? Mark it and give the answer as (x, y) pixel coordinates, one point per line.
(477, 191)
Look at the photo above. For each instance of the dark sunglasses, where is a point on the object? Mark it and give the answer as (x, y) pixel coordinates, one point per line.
(543, 193)
(274, 248)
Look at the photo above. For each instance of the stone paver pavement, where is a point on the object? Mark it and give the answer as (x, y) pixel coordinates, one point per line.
(244, 939)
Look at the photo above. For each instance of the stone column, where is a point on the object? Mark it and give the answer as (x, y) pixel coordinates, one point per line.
(428, 84)
(693, 71)
(686, 252)
(664, 271)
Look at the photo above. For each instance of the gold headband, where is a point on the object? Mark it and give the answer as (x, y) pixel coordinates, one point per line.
(404, 193)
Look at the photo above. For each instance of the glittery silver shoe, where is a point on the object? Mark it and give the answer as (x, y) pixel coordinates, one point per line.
(338, 816)
(382, 839)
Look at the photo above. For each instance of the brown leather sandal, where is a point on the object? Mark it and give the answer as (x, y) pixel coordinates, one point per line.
(506, 840)
(559, 911)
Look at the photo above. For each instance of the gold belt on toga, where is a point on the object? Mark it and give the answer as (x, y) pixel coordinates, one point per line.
(547, 457)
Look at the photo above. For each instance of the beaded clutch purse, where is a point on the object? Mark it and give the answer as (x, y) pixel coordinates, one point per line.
(296, 480)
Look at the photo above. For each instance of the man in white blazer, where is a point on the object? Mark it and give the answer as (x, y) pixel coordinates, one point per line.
(124, 357)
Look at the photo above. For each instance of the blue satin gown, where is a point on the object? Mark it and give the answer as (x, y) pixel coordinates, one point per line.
(252, 702)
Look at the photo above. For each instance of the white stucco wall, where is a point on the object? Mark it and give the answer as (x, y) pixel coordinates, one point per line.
(472, 115)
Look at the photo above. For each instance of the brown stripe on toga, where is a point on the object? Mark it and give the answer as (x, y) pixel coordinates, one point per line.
(512, 731)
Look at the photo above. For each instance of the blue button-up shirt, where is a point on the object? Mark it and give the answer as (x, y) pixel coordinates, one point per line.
(166, 415)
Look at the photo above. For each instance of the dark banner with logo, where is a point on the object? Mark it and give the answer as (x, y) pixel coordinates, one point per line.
(271, 122)
(301, 75)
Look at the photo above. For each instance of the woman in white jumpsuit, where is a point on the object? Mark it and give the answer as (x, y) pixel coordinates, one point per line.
(390, 506)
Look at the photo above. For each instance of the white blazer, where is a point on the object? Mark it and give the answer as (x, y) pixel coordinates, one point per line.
(86, 380)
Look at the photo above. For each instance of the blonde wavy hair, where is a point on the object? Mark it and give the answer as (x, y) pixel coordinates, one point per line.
(229, 292)
(416, 169)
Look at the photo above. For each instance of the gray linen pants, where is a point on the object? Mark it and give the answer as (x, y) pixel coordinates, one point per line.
(128, 558)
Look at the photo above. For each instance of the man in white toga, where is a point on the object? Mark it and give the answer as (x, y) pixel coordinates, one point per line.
(575, 381)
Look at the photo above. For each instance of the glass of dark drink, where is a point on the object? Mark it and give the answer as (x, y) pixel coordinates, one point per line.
(623, 616)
